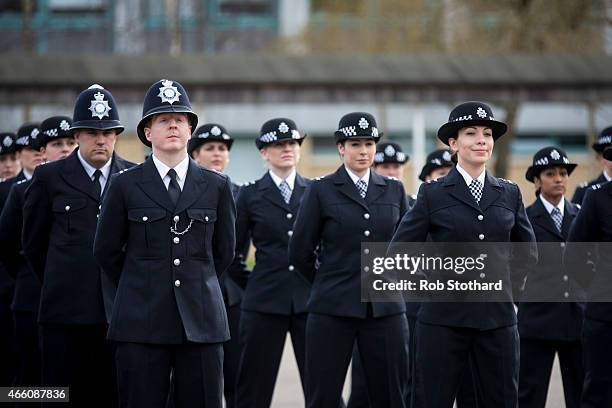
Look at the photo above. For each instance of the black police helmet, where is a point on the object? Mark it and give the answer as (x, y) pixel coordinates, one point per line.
(95, 108)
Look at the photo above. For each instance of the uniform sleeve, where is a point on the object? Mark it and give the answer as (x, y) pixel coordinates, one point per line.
(306, 234)
(238, 270)
(525, 256)
(111, 232)
(404, 206)
(37, 221)
(224, 237)
(10, 232)
(585, 228)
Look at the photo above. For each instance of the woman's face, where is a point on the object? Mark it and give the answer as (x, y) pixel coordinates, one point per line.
(357, 154)
(212, 155)
(473, 144)
(282, 155)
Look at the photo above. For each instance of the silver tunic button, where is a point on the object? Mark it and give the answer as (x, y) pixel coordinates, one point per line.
(366, 251)
(67, 208)
(145, 218)
(177, 262)
(177, 283)
(366, 216)
(176, 240)
(562, 245)
(482, 275)
(176, 218)
(289, 216)
(99, 207)
(290, 233)
(565, 278)
(366, 268)
(206, 218)
(366, 233)
(291, 268)
(566, 294)
(480, 217)
(481, 237)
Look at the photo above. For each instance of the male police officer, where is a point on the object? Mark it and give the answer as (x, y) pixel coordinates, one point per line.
(166, 233)
(60, 216)
(603, 141)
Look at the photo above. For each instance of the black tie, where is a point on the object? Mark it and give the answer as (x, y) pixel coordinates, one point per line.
(96, 183)
(173, 188)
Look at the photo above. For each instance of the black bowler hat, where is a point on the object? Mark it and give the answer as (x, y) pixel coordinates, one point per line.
(210, 132)
(607, 153)
(550, 156)
(165, 96)
(8, 143)
(277, 130)
(435, 160)
(357, 125)
(95, 108)
(54, 128)
(470, 114)
(603, 140)
(389, 152)
(29, 135)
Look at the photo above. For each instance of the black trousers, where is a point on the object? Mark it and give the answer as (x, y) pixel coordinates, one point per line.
(537, 358)
(383, 350)
(231, 356)
(443, 354)
(597, 351)
(79, 356)
(262, 336)
(27, 348)
(7, 344)
(143, 375)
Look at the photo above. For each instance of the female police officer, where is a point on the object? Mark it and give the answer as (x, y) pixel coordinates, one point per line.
(275, 299)
(339, 212)
(468, 205)
(546, 327)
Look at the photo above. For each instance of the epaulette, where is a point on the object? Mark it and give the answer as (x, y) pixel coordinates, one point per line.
(392, 178)
(22, 181)
(596, 186)
(578, 206)
(584, 184)
(507, 181)
(413, 196)
(247, 183)
(319, 178)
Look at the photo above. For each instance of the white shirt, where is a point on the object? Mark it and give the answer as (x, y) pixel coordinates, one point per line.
(290, 179)
(27, 174)
(355, 178)
(181, 171)
(91, 170)
(549, 207)
(608, 178)
(468, 179)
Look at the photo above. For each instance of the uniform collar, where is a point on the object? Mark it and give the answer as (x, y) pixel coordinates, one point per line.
(90, 170)
(355, 178)
(468, 179)
(181, 168)
(606, 176)
(290, 179)
(27, 174)
(549, 206)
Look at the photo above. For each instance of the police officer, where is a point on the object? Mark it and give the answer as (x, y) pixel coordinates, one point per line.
(468, 205)
(603, 141)
(60, 216)
(165, 235)
(594, 224)
(26, 159)
(547, 328)
(339, 212)
(437, 165)
(54, 143)
(274, 301)
(210, 147)
(9, 162)
(389, 161)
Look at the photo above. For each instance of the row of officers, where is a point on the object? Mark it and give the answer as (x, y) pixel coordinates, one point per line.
(128, 283)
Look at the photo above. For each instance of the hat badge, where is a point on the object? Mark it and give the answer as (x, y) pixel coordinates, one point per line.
(295, 134)
(99, 107)
(64, 125)
(7, 142)
(34, 133)
(283, 128)
(400, 156)
(555, 155)
(481, 112)
(363, 123)
(168, 93)
(436, 161)
(389, 151)
(215, 131)
(446, 156)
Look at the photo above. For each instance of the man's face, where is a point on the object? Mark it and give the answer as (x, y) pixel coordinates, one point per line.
(96, 146)
(59, 148)
(9, 165)
(169, 132)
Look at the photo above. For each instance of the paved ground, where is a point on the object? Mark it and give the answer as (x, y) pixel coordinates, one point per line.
(288, 393)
